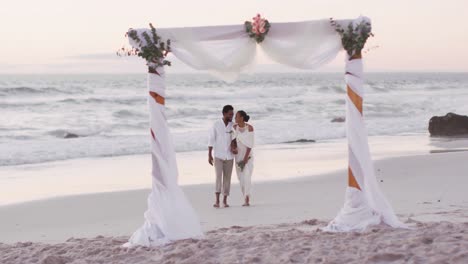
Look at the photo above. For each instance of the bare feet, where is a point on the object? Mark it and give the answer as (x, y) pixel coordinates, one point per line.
(216, 205)
(226, 205)
(247, 201)
(225, 201)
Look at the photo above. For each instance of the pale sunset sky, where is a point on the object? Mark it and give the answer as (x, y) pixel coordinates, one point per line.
(71, 36)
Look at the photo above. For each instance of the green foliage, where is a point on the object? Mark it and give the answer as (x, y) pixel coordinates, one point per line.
(248, 29)
(353, 38)
(154, 50)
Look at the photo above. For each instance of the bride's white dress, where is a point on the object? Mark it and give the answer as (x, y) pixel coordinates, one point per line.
(245, 139)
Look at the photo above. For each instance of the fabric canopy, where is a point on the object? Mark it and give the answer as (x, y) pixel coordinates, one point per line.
(226, 51)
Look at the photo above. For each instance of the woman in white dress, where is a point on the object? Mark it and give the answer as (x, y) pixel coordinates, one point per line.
(242, 145)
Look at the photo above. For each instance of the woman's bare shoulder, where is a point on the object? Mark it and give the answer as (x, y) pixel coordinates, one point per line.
(250, 128)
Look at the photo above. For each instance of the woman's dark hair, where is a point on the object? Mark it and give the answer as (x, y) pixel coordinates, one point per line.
(227, 108)
(244, 115)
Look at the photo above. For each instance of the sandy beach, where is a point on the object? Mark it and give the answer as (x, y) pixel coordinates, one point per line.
(345, 128)
(303, 242)
(427, 191)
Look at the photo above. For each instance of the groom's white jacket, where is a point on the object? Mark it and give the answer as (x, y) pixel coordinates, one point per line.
(220, 139)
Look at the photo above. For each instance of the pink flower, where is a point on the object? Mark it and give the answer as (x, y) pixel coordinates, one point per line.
(258, 25)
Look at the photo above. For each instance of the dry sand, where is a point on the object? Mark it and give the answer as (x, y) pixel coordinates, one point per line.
(303, 242)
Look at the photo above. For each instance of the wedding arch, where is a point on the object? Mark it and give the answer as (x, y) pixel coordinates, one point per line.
(225, 51)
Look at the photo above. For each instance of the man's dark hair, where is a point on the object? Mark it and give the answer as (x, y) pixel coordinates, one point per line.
(227, 108)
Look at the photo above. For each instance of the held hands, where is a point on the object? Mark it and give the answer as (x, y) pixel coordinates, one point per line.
(234, 147)
(234, 150)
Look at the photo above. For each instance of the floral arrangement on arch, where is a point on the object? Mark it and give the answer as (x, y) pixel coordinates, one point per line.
(154, 50)
(258, 28)
(353, 37)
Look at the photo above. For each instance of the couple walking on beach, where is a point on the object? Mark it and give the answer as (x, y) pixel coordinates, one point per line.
(231, 144)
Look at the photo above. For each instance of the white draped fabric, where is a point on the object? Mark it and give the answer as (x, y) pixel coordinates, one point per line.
(226, 51)
(169, 216)
(367, 206)
(245, 139)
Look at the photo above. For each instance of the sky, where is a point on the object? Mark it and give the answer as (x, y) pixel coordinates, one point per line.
(81, 36)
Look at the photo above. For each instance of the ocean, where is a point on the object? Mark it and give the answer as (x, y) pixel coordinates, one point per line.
(109, 113)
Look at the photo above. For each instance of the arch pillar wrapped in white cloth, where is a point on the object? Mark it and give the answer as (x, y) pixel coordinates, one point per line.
(365, 205)
(226, 51)
(169, 216)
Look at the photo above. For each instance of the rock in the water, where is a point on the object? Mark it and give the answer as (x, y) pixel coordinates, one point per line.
(449, 125)
(302, 140)
(338, 120)
(70, 135)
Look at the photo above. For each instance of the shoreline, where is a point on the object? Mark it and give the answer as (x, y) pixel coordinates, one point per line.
(122, 173)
